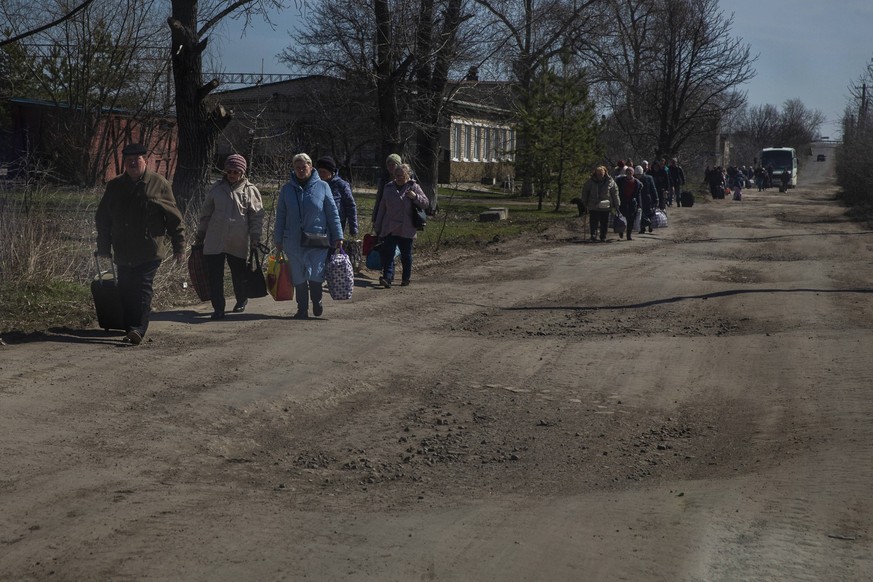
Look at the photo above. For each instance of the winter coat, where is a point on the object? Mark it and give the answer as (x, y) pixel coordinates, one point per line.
(649, 197)
(345, 203)
(677, 176)
(231, 216)
(394, 215)
(662, 181)
(319, 215)
(135, 218)
(629, 202)
(593, 191)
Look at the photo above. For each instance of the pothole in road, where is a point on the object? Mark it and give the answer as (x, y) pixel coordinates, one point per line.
(454, 439)
(735, 275)
(575, 322)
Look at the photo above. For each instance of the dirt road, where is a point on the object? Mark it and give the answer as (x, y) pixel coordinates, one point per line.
(693, 405)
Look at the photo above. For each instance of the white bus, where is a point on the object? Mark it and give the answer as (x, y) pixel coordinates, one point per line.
(780, 159)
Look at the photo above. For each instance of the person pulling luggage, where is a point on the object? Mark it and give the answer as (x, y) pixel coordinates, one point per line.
(135, 217)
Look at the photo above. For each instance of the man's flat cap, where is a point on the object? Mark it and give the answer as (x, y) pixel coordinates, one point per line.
(134, 149)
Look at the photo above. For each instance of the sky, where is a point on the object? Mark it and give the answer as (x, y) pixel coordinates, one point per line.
(811, 50)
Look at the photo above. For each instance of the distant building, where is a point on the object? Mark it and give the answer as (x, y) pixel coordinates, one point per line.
(44, 138)
(323, 115)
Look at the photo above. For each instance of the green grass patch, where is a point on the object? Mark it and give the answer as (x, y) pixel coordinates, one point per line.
(33, 307)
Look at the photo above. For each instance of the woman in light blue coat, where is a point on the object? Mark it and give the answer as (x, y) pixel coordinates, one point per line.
(306, 205)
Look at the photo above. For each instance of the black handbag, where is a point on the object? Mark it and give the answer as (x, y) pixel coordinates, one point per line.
(314, 240)
(311, 240)
(256, 283)
(419, 217)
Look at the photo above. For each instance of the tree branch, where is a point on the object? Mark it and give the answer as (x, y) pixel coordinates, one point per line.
(219, 16)
(67, 16)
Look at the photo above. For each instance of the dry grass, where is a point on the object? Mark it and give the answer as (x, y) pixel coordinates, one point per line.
(47, 243)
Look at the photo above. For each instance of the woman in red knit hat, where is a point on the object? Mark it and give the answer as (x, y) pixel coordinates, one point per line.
(232, 217)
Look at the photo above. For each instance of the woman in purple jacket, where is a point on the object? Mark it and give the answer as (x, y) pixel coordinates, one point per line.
(394, 226)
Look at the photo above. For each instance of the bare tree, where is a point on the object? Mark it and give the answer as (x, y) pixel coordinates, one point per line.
(799, 125)
(857, 142)
(671, 70)
(200, 120)
(435, 55)
(15, 12)
(766, 126)
(400, 54)
(528, 36)
(368, 45)
(91, 66)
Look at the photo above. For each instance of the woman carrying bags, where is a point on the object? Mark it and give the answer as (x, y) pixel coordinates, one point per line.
(307, 225)
(394, 224)
(600, 196)
(232, 217)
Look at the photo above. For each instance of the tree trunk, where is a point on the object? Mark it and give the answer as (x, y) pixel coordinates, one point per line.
(386, 78)
(431, 81)
(197, 125)
(427, 145)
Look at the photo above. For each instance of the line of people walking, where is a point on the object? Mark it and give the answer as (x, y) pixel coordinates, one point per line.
(629, 193)
(314, 209)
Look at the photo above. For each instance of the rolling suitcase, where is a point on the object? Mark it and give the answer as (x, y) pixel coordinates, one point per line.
(686, 199)
(107, 298)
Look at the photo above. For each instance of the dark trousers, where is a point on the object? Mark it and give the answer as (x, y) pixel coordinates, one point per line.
(389, 245)
(215, 272)
(135, 285)
(306, 291)
(629, 211)
(599, 218)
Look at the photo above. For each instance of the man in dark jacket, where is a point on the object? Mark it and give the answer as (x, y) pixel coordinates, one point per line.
(649, 198)
(134, 218)
(677, 179)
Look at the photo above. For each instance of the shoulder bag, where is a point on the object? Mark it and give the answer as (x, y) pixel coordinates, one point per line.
(312, 240)
(419, 217)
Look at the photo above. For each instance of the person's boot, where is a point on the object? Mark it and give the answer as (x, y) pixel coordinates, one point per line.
(316, 293)
(302, 292)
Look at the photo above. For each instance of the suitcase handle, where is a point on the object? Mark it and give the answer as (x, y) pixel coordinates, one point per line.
(100, 272)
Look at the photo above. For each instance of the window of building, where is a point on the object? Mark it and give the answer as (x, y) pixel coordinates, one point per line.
(468, 143)
(456, 140)
(508, 146)
(477, 143)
